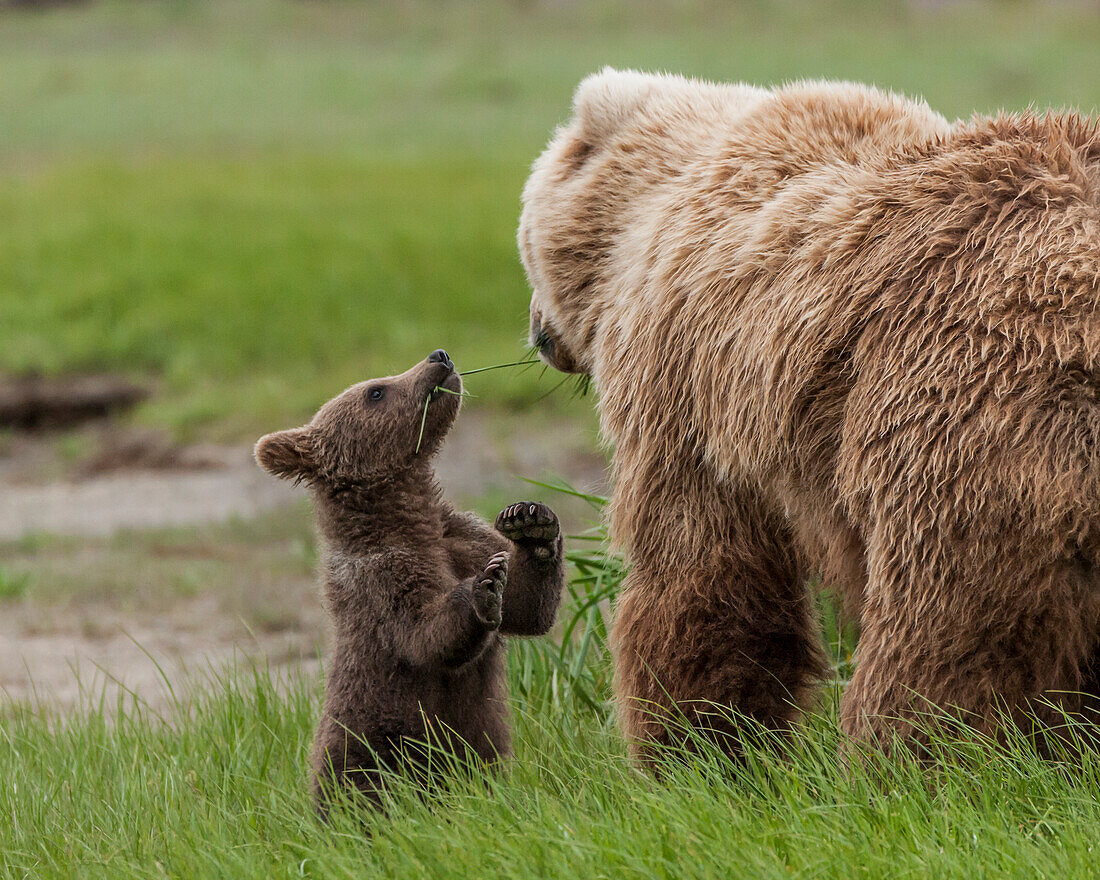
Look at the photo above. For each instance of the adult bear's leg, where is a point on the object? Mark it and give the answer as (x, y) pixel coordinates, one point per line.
(714, 615)
(974, 625)
(1090, 695)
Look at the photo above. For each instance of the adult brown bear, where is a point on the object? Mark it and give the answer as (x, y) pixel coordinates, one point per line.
(832, 332)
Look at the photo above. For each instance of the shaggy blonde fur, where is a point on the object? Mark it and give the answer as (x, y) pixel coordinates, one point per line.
(832, 332)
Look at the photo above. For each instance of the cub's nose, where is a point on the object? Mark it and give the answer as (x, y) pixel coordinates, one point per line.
(439, 356)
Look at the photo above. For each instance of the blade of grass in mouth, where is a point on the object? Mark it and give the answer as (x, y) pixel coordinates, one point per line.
(423, 419)
(427, 402)
(498, 367)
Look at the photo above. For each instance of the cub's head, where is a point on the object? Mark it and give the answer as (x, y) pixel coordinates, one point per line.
(372, 430)
(629, 132)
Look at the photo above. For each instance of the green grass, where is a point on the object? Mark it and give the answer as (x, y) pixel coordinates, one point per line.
(257, 203)
(219, 789)
(254, 290)
(13, 585)
(217, 785)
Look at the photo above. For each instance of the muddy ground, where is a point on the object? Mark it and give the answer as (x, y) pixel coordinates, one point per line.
(132, 566)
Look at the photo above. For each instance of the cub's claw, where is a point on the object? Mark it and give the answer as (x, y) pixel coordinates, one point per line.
(489, 589)
(528, 521)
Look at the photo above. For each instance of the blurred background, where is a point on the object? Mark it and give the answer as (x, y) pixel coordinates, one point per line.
(216, 215)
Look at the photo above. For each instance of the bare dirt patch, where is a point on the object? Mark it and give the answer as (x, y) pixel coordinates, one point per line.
(78, 660)
(130, 478)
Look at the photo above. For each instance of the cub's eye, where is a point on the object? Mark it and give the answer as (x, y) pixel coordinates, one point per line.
(375, 394)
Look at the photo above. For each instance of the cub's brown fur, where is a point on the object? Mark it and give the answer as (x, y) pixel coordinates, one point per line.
(419, 595)
(832, 331)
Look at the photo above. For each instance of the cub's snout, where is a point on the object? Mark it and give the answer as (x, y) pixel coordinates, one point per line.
(439, 356)
(441, 376)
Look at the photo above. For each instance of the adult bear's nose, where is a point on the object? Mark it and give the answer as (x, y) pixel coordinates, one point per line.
(439, 356)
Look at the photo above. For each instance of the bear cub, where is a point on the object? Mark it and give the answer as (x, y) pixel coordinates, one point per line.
(419, 595)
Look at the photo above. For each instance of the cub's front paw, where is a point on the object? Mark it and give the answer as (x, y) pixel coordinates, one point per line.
(489, 589)
(528, 521)
(532, 523)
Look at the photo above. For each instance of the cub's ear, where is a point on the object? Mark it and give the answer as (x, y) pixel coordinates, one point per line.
(605, 102)
(287, 453)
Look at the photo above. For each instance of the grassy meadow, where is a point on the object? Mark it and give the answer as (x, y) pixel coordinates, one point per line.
(215, 786)
(256, 202)
(253, 203)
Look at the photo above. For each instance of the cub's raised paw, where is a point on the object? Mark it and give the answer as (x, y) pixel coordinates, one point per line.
(489, 589)
(529, 521)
